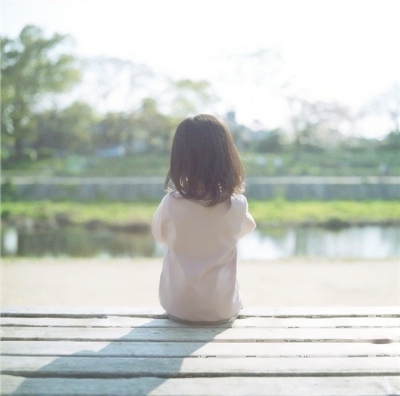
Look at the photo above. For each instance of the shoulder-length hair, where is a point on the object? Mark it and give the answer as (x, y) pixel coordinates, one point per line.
(205, 164)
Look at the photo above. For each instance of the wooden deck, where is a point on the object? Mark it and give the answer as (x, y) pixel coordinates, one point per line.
(266, 351)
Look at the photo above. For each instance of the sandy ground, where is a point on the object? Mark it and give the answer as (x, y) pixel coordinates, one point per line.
(123, 282)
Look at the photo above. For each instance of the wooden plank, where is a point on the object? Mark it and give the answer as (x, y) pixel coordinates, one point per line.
(198, 349)
(72, 366)
(313, 312)
(158, 312)
(83, 312)
(233, 386)
(205, 335)
(123, 321)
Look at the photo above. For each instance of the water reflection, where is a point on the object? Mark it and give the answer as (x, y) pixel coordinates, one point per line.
(75, 242)
(354, 242)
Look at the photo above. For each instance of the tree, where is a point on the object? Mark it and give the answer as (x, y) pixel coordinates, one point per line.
(387, 104)
(155, 127)
(270, 143)
(113, 85)
(318, 124)
(391, 142)
(188, 97)
(143, 130)
(66, 130)
(32, 67)
(111, 130)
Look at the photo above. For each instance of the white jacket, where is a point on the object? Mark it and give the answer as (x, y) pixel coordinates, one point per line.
(199, 275)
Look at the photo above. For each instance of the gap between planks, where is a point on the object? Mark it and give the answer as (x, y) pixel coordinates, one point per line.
(185, 334)
(198, 349)
(158, 312)
(121, 321)
(89, 367)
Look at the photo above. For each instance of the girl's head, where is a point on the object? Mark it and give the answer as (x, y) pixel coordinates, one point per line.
(205, 164)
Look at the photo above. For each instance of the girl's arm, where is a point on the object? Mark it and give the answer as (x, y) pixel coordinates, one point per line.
(158, 223)
(248, 223)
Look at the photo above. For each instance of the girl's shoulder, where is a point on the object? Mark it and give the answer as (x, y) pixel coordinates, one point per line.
(174, 194)
(239, 199)
(239, 204)
(171, 195)
(174, 198)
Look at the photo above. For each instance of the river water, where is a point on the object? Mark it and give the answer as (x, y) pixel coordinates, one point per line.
(369, 242)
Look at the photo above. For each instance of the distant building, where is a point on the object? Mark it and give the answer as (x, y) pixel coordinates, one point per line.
(111, 152)
(242, 134)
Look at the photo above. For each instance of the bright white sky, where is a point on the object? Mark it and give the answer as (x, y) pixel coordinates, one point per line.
(343, 50)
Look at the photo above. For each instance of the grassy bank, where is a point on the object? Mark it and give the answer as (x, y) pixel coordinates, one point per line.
(277, 212)
(311, 212)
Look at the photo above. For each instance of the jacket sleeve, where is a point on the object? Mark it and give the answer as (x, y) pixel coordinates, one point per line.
(158, 223)
(248, 223)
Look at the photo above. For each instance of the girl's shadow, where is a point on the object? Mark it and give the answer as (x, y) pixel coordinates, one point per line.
(133, 364)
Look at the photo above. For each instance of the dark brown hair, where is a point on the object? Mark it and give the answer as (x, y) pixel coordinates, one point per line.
(205, 164)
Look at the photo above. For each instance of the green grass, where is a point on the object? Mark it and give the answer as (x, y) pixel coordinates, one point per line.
(286, 212)
(277, 212)
(112, 212)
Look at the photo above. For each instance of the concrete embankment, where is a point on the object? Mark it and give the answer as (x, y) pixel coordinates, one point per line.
(128, 189)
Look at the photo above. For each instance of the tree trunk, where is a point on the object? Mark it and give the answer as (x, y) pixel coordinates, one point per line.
(18, 149)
